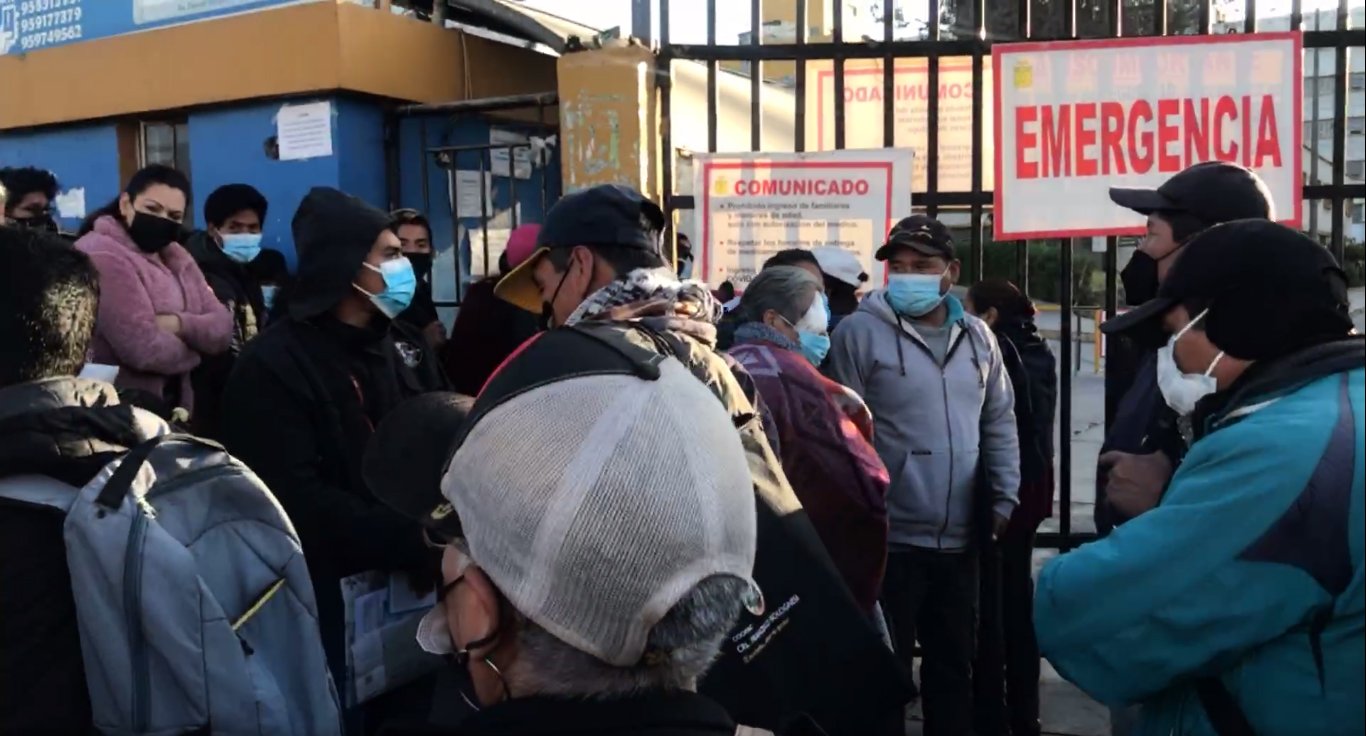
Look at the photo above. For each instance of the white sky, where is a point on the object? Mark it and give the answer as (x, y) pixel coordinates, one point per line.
(688, 18)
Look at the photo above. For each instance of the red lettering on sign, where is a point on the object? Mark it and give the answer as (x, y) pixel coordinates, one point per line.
(1025, 140)
(1166, 135)
(907, 92)
(1268, 142)
(1142, 158)
(1246, 119)
(1086, 137)
(1224, 109)
(1168, 132)
(800, 187)
(1112, 138)
(1197, 129)
(1056, 157)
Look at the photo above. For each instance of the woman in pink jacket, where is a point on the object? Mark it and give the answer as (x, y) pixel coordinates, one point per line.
(157, 315)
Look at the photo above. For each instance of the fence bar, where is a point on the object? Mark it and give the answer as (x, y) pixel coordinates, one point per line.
(664, 77)
(756, 81)
(1065, 392)
(932, 114)
(712, 105)
(975, 119)
(799, 115)
(838, 34)
(1341, 74)
(888, 81)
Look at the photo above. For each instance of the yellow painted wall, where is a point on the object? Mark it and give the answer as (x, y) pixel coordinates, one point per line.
(609, 119)
(297, 49)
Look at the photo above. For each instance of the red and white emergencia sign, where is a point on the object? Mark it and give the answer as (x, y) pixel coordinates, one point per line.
(753, 205)
(1075, 118)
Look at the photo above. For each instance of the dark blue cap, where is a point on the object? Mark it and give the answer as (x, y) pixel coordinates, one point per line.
(607, 214)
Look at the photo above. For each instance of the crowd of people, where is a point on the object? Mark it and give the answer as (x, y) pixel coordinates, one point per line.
(617, 502)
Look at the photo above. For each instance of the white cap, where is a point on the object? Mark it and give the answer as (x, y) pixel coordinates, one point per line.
(838, 263)
(596, 502)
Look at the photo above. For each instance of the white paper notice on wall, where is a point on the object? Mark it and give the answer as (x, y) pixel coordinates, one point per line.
(304, 131)
(520, 156)
(71, 204)
(468, 194)
(484, 261)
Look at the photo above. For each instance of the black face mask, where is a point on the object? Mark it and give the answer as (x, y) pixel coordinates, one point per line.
(1140, 279)
(422, 266)
(151, 233)
(43, 223)
(548, 308)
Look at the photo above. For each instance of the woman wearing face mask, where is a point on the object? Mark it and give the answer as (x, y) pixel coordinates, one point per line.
(158, 317)
(824, 429)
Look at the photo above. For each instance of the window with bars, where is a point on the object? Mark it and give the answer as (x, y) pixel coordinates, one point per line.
(166, 143)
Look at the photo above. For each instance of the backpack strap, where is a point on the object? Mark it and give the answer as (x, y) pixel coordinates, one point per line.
(116, 488)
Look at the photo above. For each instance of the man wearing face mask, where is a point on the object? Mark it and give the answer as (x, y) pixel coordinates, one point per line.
(943, 407)
(1235, 606)
(599, 268)
(233, 215)
(567, 605)
(306, 394)
(1143, 443)
(415, 233)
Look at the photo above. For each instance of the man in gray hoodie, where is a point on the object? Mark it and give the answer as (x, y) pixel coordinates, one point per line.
(945, 427)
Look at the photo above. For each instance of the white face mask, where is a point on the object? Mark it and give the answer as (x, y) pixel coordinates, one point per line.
(433, 631)
(1184, 390)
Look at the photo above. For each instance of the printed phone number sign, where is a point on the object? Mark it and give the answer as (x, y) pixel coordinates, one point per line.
(30, 25)
(1074, 119)
(756, 204)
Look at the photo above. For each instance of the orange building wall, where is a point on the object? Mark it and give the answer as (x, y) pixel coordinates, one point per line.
(292, 50)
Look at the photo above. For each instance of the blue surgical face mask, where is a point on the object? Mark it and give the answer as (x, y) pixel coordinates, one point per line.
(811, 330)
(242, 247)
(814, 346)
(400, 284)
(915, 294)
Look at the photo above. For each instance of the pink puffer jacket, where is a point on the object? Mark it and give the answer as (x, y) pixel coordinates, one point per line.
(135, 287)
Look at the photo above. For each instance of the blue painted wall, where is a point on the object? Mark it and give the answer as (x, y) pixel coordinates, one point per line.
(418, 134)
(82, 156)
(228, 146)
(359, 139)
(29, 25)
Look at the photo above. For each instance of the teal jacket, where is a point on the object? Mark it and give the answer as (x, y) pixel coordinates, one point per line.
(1250, 570)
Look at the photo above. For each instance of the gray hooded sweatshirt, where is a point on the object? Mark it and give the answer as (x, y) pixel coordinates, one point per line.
(936, 425)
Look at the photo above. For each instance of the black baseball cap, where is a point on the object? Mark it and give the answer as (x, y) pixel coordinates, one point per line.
(607, 214)
(921, 233)
(408, 454)
(1270, 289)
(1211, 192)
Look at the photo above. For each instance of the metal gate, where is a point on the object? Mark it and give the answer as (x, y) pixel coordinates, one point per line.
(967, 28)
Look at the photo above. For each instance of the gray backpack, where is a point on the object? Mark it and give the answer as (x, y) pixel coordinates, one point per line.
(195, 608)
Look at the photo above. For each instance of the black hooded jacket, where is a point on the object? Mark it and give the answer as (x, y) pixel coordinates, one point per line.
(67, 429)
(305, 397)
(238, 289)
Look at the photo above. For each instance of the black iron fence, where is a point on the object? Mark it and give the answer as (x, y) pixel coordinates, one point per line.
(967, 29)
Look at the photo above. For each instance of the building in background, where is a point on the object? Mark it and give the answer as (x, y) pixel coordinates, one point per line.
(1320, 77)
(285, 95)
